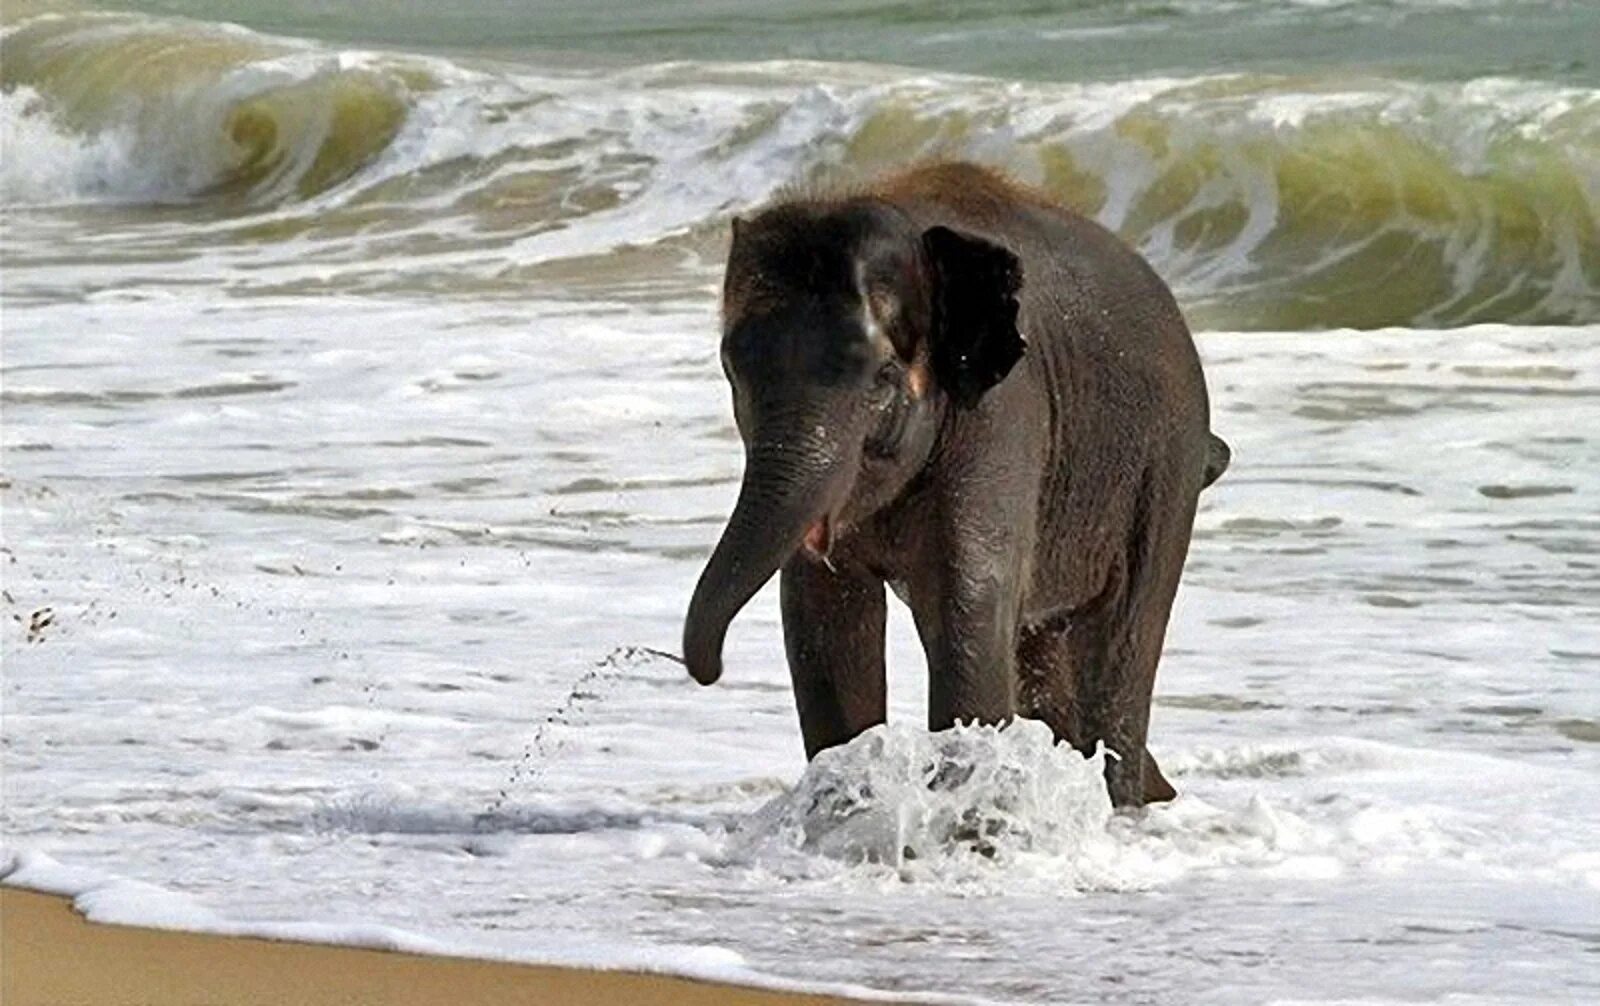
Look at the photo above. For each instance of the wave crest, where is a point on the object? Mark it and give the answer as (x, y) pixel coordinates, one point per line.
(1266, 201)
(142, 110)
(1284, 204)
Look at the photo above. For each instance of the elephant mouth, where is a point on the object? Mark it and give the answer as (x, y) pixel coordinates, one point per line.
(818, 541)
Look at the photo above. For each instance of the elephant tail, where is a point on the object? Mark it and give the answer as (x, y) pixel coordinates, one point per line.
(1218, 454)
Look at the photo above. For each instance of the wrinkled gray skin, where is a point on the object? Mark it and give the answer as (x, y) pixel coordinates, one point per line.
(947, 384)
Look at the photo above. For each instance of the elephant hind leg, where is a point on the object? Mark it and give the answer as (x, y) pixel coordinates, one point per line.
(1046, 684)
(1115, 644)
(1048, 692)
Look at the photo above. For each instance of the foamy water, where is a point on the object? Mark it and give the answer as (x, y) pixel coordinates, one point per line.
(336, 600)
(364, 435)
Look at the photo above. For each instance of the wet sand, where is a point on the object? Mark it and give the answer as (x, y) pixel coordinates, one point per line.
(51, 956)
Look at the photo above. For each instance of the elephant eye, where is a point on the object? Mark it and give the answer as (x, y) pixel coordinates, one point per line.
(888, 377)
(883, 305)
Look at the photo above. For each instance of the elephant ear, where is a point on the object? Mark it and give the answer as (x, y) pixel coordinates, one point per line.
(975, 341)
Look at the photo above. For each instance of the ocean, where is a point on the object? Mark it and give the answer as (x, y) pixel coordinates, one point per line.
(364, 435)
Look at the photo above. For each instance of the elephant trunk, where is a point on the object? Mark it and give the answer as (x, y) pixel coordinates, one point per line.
(792, 484)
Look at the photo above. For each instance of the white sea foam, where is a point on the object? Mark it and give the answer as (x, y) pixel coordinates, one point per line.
(104, 898)
(45, 163)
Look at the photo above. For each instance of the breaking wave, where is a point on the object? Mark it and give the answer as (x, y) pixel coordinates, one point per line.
(171, 110)
(1267, 201)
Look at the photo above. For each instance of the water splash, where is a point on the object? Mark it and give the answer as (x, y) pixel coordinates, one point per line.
(959, 805)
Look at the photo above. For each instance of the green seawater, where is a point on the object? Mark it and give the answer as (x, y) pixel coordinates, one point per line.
(1064, 40)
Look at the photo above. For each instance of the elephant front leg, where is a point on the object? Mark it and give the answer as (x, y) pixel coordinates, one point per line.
(967, 616)
(833, 628)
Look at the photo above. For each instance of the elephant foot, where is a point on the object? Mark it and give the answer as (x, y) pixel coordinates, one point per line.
(1156, 787)
(1134, 784)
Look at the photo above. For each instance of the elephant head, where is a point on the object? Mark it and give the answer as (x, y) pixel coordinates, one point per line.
(849, 335)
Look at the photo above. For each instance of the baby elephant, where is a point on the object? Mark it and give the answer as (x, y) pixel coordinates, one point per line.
(947, 383)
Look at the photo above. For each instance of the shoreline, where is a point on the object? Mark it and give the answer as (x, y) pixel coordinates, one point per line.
(53, 955)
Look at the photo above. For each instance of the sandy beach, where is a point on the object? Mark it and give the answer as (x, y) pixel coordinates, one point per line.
(51, 956)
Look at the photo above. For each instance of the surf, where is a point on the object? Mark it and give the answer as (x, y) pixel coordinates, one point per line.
(1267, 201)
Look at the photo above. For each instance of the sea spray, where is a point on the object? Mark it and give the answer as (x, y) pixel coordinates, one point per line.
(543, 745)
